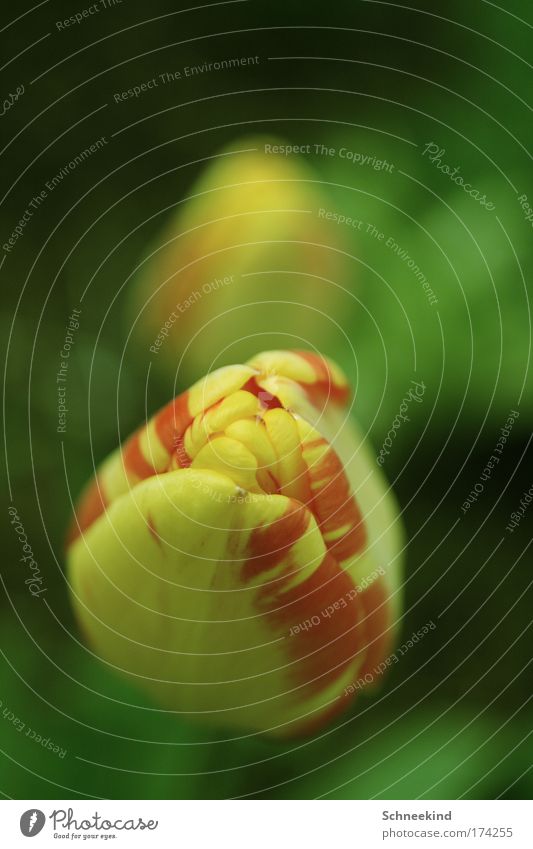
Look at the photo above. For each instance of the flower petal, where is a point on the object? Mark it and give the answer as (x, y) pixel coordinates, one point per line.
(214, 602)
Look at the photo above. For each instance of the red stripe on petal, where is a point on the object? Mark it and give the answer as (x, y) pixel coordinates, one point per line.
(333, 505)
(270, 545)
(323, 651)
(359, 631)
(134, 460)
(173, 420)
(266, 399)
(378, 626)
(324, 388)
(170, 425)
(320, 651)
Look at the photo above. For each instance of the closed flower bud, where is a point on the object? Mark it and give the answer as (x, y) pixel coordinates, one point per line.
(252, 250)
(239, 556)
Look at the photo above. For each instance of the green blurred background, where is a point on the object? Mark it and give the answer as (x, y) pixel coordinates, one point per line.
(452, 719)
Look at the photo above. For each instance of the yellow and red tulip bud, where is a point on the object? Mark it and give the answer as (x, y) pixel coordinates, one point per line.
(238, 556)
(252, 250)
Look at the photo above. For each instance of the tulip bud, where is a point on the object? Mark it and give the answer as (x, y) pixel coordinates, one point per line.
(239, 556)
(252, 250)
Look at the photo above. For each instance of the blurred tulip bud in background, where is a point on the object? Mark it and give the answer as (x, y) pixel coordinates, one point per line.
(257, 229)
(239, 557)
